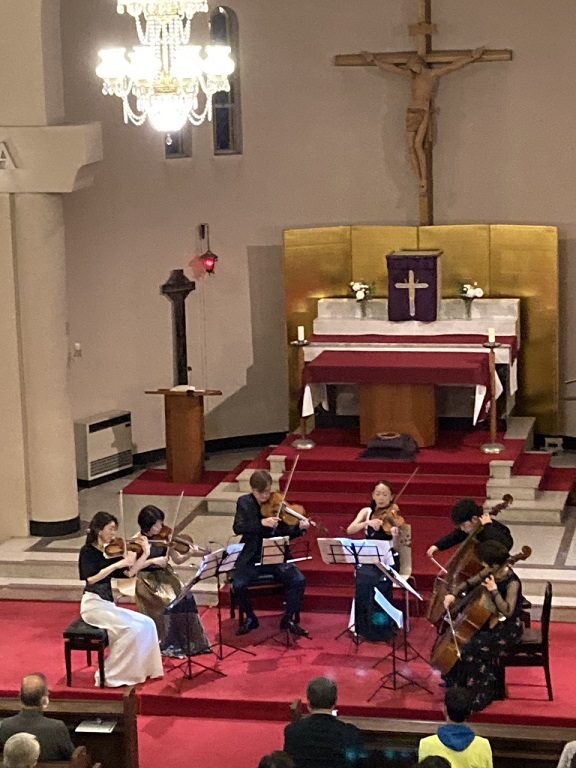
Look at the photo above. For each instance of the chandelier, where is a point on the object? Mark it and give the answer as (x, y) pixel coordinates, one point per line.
(164, 76)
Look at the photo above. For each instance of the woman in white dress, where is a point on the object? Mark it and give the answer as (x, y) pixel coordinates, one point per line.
(134, 650)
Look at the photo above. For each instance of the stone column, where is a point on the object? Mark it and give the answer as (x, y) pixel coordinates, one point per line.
(37, 460)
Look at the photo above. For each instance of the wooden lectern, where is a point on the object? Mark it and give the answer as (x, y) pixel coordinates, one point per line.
(184, 416)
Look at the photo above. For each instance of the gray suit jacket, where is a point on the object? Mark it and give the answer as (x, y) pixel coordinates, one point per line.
(55, 742)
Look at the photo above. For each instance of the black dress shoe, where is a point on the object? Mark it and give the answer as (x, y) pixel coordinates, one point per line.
(249, 623)
(293, 628)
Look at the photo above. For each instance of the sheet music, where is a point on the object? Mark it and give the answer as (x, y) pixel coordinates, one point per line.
(273, 550)
(398, 579)
(215, 561)
(349, 551)
(396, 615)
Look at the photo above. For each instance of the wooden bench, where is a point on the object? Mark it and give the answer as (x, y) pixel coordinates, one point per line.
(513, 746)
(118, 749)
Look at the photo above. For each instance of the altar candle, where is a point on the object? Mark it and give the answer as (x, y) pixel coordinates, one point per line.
(301, 335)
(491, 335)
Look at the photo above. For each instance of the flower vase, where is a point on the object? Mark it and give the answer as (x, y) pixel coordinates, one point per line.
(467, 306)
(363, 309)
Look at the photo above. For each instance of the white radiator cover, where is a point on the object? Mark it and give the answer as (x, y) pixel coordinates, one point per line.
(103, 444)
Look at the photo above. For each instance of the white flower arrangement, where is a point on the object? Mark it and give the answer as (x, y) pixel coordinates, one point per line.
(362, 291)
(471, 291)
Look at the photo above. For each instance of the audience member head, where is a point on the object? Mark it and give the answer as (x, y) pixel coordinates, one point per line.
(21, 751)
(465, 514)
(98, 523)
(492, 552)
(261, 485)
(276, 759)
(148, 517)
(382, 495)
(435, 761)
(34, 690)
(321, 693)
(458, 704)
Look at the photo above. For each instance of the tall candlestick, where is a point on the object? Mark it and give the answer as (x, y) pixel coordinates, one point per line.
(301, 334)
(491, 335)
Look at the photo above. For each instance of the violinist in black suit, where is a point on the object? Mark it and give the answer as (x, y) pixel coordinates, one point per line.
(254, 527)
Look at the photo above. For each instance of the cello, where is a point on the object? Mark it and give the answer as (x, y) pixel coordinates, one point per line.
(462, 566)
(472, 613)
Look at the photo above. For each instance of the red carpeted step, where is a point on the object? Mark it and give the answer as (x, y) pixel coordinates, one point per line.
(558, 479)
(532, 463)
(364, 482)
(348, 504)
(382, 467)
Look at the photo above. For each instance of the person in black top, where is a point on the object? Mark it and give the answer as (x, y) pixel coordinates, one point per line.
(477, 669)
(52, 734)
(466, 515)
(370, 620)
(134, 649)
(321, 740)
(254, 527)
(180, 630)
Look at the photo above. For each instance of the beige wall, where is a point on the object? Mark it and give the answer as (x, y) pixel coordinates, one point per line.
(321, 146)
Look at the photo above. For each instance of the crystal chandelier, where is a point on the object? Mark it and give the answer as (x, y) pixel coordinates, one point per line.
(164, 74)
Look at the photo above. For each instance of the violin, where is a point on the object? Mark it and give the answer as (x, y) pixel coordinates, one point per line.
(472, 614)
(291, 515)
(117, 547)
(181, 542)
(389, 517)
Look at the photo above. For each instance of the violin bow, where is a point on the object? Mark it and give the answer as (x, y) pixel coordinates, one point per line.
(176, 513)
(406, 484)
(122, 519)
(290, 479)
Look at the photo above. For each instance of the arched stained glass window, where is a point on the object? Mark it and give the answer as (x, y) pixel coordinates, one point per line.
(227, 118)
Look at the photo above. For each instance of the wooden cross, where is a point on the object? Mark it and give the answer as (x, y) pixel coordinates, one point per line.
(411, 285)
(423, 67)
(177, 288)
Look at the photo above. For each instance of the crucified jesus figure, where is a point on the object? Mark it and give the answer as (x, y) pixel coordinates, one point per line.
(424, 83)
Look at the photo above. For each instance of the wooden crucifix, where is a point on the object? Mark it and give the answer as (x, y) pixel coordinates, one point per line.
(424, 68)
(177, 288)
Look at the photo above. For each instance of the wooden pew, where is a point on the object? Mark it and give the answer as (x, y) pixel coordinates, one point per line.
(118, 749)
(80, 759)
(513, 746)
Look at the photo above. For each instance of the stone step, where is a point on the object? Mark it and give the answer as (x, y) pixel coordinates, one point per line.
(70, 590)
(563, 608)
(534, 580)
(222, 499)
(547, 507)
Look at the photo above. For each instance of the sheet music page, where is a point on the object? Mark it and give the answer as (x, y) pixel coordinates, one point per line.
(395, 576)
(396, 615)
(273, 550)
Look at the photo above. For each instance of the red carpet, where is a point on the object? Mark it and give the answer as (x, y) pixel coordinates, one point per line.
(154, 482)
(261, 686)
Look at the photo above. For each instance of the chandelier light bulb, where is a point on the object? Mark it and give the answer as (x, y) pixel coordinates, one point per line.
(113, 64)
(165, 75)
(218, 62)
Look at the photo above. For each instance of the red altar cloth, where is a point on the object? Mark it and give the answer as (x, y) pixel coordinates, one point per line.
(352, 367)
(376, 338)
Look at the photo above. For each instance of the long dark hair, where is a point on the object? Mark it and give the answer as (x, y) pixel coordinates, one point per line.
(98, 522)
(387, 484)
(148, 516)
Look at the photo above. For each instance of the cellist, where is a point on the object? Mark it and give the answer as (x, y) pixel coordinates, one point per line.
(466, 515)
(477, 668)
(254, 527)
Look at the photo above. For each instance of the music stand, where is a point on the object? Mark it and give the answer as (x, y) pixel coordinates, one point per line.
(404, 584)
(276, 551)
(354, 552)
(390, 681)
(212, 565)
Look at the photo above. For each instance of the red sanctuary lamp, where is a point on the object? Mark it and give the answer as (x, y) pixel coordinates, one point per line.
(208, 258)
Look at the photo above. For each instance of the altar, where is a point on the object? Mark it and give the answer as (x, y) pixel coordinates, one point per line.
(406, 374)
